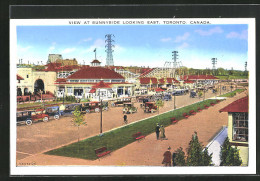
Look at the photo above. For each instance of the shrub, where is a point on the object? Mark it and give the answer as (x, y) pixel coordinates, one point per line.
(179, 159)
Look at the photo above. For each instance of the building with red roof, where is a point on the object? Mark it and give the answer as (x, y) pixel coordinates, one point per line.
(237, 115)
(83, 82)
(95, 63)
(200, 79)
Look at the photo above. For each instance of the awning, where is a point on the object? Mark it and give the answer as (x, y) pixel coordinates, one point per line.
(159, 90)
(93, 90)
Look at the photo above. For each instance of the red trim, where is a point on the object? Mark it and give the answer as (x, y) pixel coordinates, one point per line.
(240, 105)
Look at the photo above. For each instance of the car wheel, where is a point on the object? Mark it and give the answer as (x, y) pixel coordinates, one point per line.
(56, 117)
(45, 119)
(28, 122)
(97, 110)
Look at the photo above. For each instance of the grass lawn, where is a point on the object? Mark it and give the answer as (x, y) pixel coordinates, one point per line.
(233, 93)
(37, 105)
(121, 137)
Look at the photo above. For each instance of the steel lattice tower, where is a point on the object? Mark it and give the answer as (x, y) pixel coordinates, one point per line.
(214, 62)
(109, 46)
(245, 66)
(175, 57)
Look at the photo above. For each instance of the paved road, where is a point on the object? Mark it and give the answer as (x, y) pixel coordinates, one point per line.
(40, 137)
(149, 151)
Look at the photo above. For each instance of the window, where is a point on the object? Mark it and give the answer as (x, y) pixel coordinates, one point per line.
(69, 89)
(240, 127)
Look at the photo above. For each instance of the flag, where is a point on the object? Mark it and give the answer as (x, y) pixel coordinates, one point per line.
(95, 50)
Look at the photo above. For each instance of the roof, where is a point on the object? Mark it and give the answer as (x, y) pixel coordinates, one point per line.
(93, 90)
(154, 80)
(101, 84)
(67, 68)
(188, 82)
(95, 73)
(18, 77)
(240, 105)
(52, 66)
(144, 80)
(61, 80)
(171, 80)
(159, 90)
(198, 77)
(161, 81)
(95, 61)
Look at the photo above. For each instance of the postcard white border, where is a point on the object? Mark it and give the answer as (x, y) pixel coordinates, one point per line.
(116, 170)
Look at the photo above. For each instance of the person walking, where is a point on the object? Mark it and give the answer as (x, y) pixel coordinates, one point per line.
(173, 158)
(167, 157)
(157, 131)
(125, 118)
(162, 132)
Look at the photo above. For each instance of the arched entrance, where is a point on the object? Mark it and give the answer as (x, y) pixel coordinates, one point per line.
(26, 92)
(19, 92)
(38, 85)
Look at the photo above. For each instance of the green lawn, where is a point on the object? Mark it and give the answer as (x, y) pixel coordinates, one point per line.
(121, 137)
(233, 93)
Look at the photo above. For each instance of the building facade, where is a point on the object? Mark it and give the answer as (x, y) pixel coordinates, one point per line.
(238, 126)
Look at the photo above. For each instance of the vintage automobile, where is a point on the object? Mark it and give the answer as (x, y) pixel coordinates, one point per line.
(93, 106)
(121, 101)
(53, 112)
(129, 108)
(167, 97)
(193, 94)
(69, 109)
(28, 117)
(178, 92)
(150, 107)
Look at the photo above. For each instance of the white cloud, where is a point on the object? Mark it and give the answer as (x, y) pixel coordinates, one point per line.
(52, 47)
(119, 49)
(183, 45)
(23, 49)
(68, 50)
(242, 35)
(210, 31)
(182, 38)
(87, 39)
(165, 39)
(99, 43)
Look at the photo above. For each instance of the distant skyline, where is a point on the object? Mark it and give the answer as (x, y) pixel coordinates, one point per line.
(138, 45)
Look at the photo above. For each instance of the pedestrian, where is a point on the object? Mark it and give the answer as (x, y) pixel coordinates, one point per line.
(162, 132)
(173, 158)
(157, 131)
(125, 118)
(167, 157)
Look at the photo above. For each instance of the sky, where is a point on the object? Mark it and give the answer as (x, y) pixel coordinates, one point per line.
(138, 45)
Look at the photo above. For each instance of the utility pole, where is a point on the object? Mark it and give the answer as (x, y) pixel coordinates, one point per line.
(95, 53)
(109, 46)
(214, 62)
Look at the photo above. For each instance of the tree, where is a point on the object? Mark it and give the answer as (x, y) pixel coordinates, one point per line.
(159, 103)
(229, 155)
(196, 155)
(179, 159)
(78, 119)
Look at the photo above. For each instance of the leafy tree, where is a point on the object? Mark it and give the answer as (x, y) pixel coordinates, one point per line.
(78, 119)
(159, 103)
(196, 155)
(229, 155)
(179, 159)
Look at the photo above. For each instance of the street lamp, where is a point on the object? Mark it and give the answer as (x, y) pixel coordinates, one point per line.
(100, 113)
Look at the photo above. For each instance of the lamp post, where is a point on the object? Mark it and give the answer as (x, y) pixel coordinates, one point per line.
(100, 113)
(174, 101)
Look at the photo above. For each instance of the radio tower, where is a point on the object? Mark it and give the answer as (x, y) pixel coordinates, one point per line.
(109, 46)
(172, 66)
(214, 62)
(245, 66)
(175, 57)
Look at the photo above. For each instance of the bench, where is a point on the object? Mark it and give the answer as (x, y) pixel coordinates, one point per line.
(174, 120)
(199, 109)
(138, 136)
(206, 107)
(185, 115)
(212, 104)
(192, 112)
(100, 152)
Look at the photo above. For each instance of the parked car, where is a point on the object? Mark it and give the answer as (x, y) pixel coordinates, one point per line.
(193, 94)
(178, 93)
(129, 108)
(53, 112)
(28, 117)
(93, 106)
(121, 101)
(150, 107)
(70, 108)
(167, 97)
